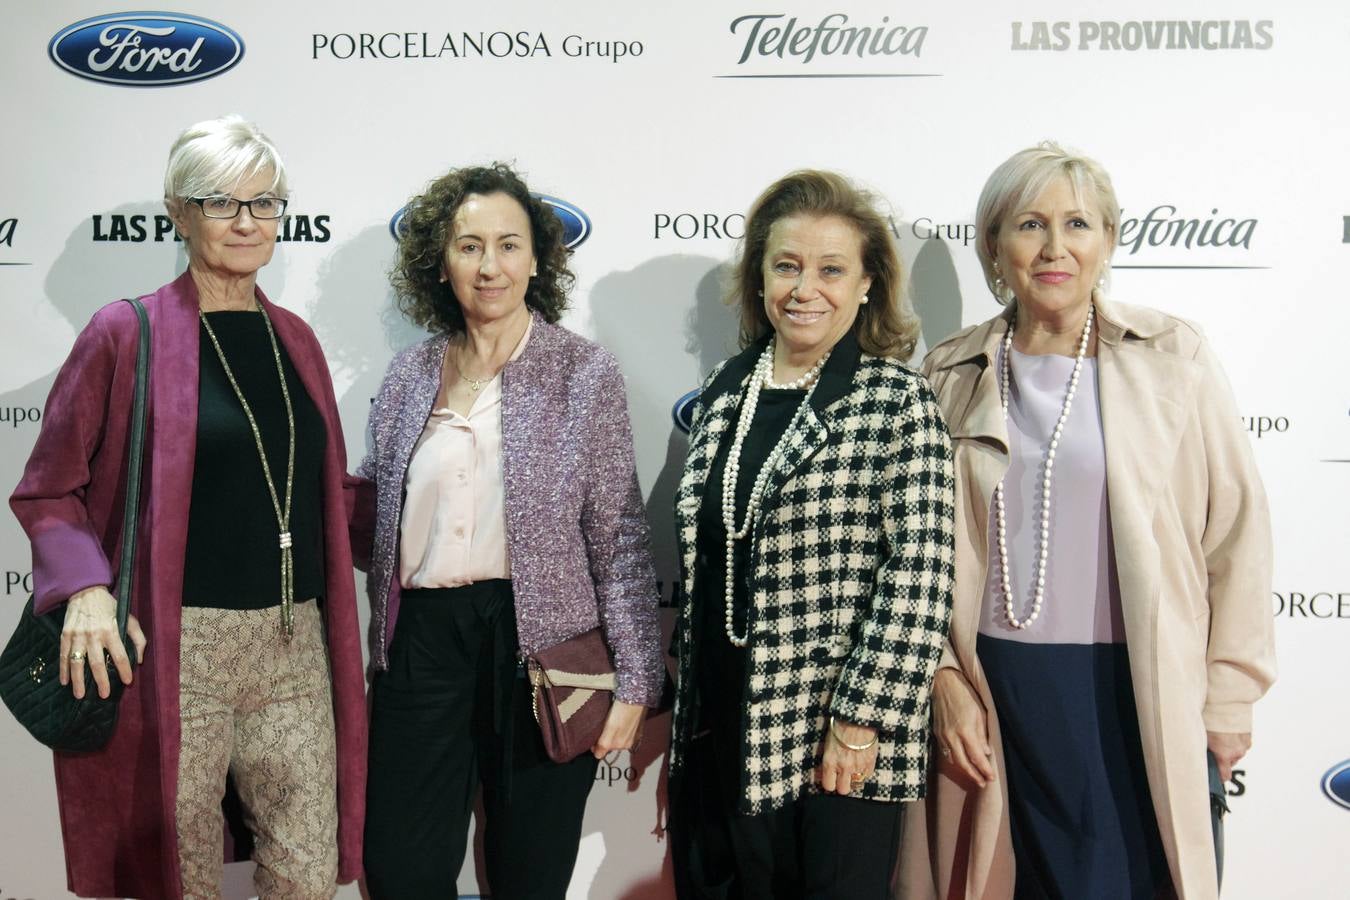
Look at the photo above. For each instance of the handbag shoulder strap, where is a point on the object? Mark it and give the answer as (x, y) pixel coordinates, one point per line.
(131, 509)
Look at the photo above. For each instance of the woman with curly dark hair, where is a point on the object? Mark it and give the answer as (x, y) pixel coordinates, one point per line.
(499, 515)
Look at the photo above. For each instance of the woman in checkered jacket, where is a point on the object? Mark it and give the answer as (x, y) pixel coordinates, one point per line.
(815, 531)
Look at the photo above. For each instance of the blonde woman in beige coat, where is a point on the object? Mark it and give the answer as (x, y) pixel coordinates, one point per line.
(1105, 638)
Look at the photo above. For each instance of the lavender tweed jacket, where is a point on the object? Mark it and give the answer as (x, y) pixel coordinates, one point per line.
(576, 528)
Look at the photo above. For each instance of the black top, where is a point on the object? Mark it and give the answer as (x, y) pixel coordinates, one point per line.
(720, 672)
(233, 551)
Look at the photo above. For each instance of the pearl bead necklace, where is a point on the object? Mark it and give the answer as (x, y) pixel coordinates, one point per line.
(1043, 554)
(807, 377)
(761, 377)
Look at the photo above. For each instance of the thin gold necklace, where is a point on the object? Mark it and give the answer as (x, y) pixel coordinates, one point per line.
(475, 384)
(283, 513)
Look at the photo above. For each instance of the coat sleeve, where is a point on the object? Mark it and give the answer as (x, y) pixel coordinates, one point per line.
(928, 369)
(1239, 559)
(886, 678)
(49, 501)
(618, 544)
(359, 489)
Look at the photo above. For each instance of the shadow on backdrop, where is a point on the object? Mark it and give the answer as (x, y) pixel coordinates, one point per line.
(934, 290)
(358, 326)
(666, 324)
(88, 275)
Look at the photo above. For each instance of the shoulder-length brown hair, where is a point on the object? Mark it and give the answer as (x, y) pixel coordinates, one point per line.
(426, 227)
(885, 326)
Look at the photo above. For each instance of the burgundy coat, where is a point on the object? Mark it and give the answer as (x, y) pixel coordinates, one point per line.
(117, 804)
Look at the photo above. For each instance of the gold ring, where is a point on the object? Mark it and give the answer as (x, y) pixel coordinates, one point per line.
(76, 655)
(858, 778)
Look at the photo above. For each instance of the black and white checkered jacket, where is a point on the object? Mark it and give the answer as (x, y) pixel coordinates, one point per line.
(851, 574)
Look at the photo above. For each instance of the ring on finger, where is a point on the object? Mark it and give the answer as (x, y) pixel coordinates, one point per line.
(946, 752)
(76, 655)
(858, 778)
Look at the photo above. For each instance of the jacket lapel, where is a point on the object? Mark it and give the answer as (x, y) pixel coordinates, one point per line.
(718, 405)
(173, 414)
(975, 409)
(425, 382)
(307, 369)
(808, 432)
(968, 390)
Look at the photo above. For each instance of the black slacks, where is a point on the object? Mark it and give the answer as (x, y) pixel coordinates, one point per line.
(453, 711)
(820, 846)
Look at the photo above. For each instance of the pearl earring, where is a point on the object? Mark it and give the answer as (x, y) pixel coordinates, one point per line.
(864, 299)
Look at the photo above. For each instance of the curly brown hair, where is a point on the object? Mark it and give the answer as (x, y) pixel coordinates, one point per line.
(426, 228)
(885, 326)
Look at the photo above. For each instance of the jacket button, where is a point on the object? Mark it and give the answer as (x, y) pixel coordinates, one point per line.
(819, 654)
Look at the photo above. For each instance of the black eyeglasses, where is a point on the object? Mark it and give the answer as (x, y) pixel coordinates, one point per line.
(228, 207)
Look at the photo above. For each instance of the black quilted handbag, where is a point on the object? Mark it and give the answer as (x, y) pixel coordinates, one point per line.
(30, 664)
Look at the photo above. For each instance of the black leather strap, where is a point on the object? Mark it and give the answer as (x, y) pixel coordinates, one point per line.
(131, 509)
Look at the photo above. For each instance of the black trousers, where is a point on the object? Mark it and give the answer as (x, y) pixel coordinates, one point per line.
(820, 846)
(450, 714)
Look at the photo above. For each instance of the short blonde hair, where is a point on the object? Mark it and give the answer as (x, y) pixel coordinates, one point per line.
(214, 156)
(885, 326)
(1020, 179)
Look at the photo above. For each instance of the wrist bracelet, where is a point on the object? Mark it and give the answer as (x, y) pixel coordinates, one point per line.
(856, 748)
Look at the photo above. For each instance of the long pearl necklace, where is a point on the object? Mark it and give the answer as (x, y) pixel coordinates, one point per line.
(1043, 554)
(760, 378)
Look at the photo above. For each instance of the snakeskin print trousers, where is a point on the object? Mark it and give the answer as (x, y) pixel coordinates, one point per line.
(260, 709)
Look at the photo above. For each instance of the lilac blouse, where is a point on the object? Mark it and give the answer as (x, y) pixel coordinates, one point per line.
(1082, 595)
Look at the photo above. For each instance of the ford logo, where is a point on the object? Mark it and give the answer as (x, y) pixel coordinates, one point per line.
(576, 224)
(146, 49)
(683, 412)
(1336, 784)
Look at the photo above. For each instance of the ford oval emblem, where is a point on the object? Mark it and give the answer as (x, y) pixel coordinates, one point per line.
(1336, 784)
(146, 49)
(396, 226)
(576, 224)
(683, 412)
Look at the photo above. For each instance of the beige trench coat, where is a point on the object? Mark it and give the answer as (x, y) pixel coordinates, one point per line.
(1192, 541)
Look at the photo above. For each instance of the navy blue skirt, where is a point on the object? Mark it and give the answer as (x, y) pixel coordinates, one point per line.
(1082, 816)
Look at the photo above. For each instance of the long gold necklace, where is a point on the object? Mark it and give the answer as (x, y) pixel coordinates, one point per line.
(283, 512)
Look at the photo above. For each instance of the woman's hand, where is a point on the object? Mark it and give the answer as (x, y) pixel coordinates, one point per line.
(1228, 749)
(961, 728)
(841, 769)
(90, 629)
(621, 728)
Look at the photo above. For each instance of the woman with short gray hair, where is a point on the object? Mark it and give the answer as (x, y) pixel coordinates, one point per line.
(243, 608)
(1113, 564)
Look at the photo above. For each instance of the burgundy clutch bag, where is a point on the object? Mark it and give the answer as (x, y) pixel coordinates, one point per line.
(573, 686)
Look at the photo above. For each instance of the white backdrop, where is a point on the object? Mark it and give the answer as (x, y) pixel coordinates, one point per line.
(662, 129)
